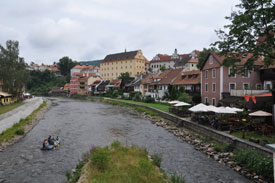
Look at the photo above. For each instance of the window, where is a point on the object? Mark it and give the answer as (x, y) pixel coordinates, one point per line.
(246, 74)
(210, 59)
(206, 87)
(206, 74)
(206, 100)
(214, 87)
(213, 101)
(214, 73)
(232, 86)
(268, 86)
(258, 86)
(230, 73)
(245, 86)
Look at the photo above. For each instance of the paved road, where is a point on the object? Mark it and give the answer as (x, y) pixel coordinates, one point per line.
(14, 116)
(81, 124)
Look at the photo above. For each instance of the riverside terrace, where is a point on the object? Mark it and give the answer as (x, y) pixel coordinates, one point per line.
(240, 124)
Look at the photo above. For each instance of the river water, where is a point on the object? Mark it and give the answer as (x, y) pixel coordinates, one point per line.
(81, 124)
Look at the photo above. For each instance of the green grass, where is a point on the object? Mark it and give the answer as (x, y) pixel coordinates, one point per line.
(255, 162)
(160, 106)
(7, 108)
(18, 128)
(270, 139)
(119, 164)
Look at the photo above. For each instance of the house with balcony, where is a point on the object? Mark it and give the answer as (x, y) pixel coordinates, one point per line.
(219, 82)
(190, 80)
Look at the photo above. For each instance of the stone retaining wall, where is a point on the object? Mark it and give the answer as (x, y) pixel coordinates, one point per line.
(219, 136)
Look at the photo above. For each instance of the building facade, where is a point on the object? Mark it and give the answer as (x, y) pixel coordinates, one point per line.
(113, 65)
(217, 79)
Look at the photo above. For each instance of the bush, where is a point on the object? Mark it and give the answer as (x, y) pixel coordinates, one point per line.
(156, 160)
(100, 160)
(148, 99)
(255, 162)
(137, 97)
(177, 179)
(115, 144)
(19, 131)
(115, 94)
(184, 97)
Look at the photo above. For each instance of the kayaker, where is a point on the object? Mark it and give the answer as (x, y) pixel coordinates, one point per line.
(50, 140)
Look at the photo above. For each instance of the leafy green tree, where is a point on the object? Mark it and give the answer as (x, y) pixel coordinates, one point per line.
(184, 97)
(163, 68)
(203, 55)
(251, 31)
(124, 75)
(65, 65)
(13, 71)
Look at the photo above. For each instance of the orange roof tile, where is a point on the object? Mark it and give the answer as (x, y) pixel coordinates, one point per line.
(190, 77)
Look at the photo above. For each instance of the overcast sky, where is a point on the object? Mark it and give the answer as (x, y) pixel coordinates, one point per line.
(90, 29)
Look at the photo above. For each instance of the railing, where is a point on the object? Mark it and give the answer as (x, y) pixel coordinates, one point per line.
(241, 93)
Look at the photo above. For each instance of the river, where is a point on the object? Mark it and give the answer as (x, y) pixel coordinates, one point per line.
(82, 124)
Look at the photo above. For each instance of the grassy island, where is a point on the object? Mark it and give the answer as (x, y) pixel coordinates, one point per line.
(118, 164)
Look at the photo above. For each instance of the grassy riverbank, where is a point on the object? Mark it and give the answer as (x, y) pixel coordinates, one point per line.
(160, 106)
(118, 164)
(18, 128)
(7, 108)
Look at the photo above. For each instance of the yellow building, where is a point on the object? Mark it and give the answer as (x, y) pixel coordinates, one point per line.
(113, 65)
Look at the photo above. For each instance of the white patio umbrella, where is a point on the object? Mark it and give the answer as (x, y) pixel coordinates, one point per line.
(174, 102)
(237, 109)
(182, 104)
(199, 108)
(212, 108)
(260, 114)
(224, 110)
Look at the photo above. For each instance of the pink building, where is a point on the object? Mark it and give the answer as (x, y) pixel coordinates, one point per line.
(216, 79)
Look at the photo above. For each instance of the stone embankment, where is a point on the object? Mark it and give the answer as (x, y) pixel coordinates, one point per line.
(207, 148)
(38, 116)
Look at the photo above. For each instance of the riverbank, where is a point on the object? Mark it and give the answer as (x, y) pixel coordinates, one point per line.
(18, 131)
(116, 163)
(251, 167)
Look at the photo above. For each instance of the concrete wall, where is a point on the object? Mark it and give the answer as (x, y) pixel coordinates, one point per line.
(219, 136)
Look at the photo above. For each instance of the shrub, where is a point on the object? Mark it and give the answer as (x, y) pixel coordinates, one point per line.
(115, 144)
(115, 94)
(255, 162)
(68, 175)
(156, 160)
(100, 160)
(137, 97)
(19, 131)
(177, 179)
(184, 97)
(148, 99)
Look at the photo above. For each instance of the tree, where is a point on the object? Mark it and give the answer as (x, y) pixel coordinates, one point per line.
(203, 55)
(13, 71)
(163, 68)
(65, 65)
(251, 31)
(124, 75)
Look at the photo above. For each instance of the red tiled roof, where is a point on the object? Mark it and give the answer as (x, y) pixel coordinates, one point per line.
(243, 58)
(193, 60)
(170, 76)
(191, 77)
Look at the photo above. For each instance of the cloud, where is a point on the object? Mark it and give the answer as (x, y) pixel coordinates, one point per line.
(83, 30)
